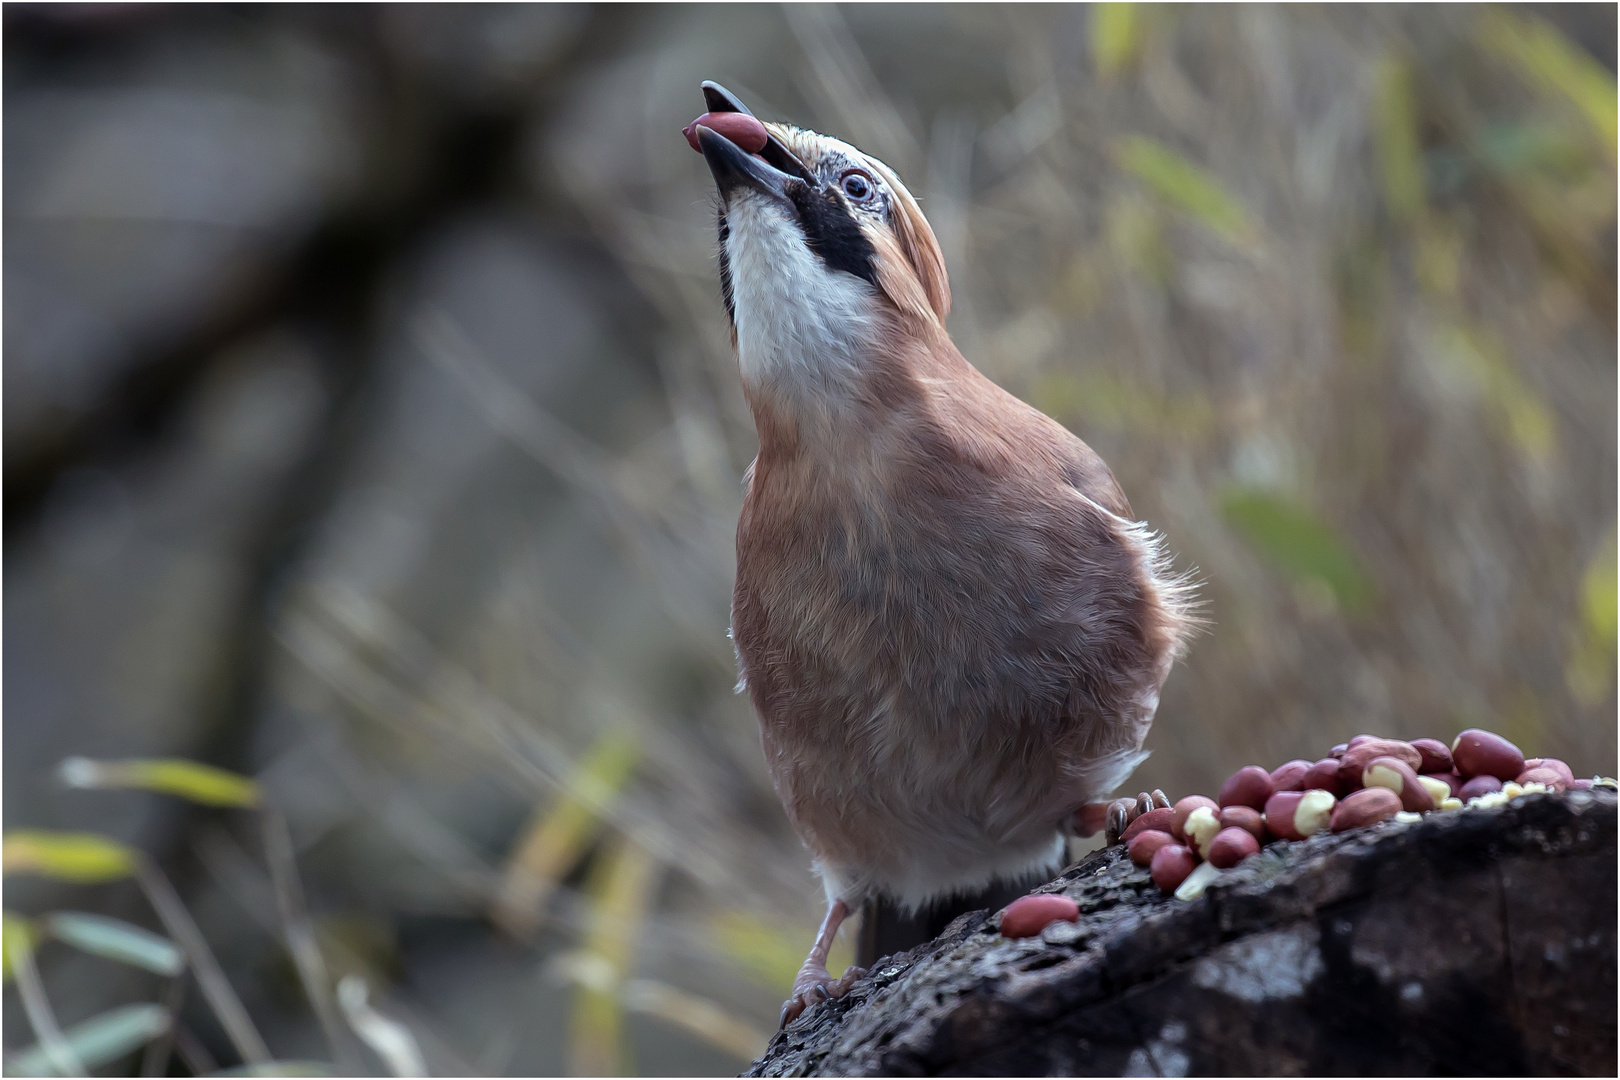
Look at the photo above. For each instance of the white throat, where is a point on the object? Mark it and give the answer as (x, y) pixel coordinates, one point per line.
(801, 328)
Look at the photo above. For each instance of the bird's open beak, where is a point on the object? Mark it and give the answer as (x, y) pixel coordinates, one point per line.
(773, 171)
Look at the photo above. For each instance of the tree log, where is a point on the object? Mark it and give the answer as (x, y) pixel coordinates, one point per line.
(1473, 941)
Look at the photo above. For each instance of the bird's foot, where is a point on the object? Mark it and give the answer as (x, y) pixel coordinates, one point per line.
(1121, 812)
(815, 985)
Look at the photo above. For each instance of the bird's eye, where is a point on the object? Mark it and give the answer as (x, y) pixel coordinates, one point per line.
(858, 186)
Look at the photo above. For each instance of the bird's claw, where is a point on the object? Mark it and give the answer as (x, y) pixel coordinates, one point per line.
(1119, 815)
(814, 990)
(1121, 812)
(801, 1000)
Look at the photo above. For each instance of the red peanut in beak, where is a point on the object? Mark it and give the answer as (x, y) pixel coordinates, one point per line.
(740, 128)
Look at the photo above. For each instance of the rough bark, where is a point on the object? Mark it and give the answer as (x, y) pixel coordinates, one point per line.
(1477, 941)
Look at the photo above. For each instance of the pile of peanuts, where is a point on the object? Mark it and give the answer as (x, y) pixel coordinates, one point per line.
(1362, 782)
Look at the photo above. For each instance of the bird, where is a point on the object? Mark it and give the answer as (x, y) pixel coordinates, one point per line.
(952, 629)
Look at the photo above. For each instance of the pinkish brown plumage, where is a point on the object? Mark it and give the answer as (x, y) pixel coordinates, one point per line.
(950, 625)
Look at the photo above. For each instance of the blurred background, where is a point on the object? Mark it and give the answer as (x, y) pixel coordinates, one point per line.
(372, 430)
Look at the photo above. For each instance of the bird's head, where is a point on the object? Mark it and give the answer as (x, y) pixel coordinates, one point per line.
(825, 257)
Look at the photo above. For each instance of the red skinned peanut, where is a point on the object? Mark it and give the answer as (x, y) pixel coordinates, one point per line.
(1231, 846)
(1246, 818)
(1365, 807)
(1186, 806)
(1359, 756)
(1551, 779)
(1171, 865)
(1201, 827)
(1324, 775)
(1249, 786)
(1397, 776)
(1290, 775)
(1029, 915)
(1549, 763)
(1479, 785)
(1436, 755)
(1159, 818)
(1144, 845)
(740, 128)
(1295, 815)
(1485, 753)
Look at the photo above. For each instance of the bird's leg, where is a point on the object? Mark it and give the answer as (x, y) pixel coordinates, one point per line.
(814, 983)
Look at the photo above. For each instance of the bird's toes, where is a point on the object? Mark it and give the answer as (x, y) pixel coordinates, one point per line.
(808, 994)
(1119, 815)
(802, 999)
(847, 980)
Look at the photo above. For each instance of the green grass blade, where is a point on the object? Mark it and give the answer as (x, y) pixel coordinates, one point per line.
(98, 1040)
(115, 940)
(82, 858)
(18, 937)
(168, 776)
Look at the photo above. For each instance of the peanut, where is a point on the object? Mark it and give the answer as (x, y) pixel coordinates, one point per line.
(1160, 819)
(1452, 780)
(1200, 828)
(1485, 753)
(1436, 755)
(1249, 786)
(1196, 882)
(1438, 790)
(1314, 812)
(1360, 755)
(1365, 807)
(1171, 866)
(1246, 818)
(1186, 806)
(1551, 779)
(1029, 915)
(1397, 776)
(1479, 785)
(1551, 763)
(1295, 815)
(1231, 846)
(1324, 775)
(1146, 844)
(1290, 776)
(742, 129)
